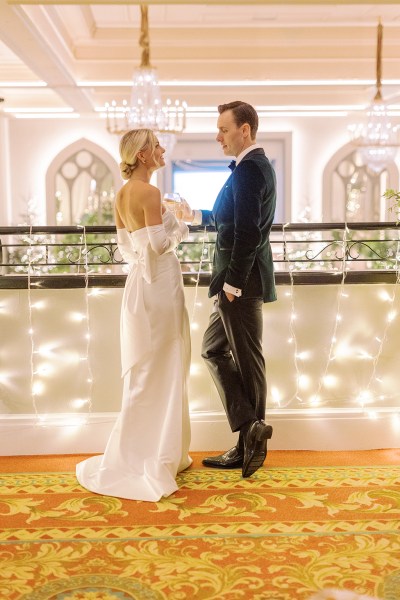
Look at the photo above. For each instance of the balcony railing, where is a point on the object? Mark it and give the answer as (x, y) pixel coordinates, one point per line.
(305, 252)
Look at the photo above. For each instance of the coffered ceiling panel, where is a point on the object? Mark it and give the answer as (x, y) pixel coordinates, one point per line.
(78, 56)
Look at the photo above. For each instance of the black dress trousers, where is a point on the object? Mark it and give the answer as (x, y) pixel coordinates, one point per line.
(232, 350)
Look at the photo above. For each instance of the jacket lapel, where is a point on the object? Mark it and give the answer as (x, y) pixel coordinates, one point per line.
(221, 194)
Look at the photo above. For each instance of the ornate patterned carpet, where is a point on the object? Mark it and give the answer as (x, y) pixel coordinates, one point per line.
(280, 535)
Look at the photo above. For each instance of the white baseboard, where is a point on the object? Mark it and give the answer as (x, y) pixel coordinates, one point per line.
(25, 435)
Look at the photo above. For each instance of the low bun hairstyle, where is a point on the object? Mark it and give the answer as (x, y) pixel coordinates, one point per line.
(130, 145)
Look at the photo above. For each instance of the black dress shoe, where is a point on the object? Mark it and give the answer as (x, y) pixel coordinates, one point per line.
(231, 459)
(255, 447)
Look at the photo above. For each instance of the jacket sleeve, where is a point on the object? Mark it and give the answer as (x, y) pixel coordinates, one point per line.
(207, 217)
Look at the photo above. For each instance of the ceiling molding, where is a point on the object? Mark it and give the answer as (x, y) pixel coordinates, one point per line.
(81, 52)
(209, 2)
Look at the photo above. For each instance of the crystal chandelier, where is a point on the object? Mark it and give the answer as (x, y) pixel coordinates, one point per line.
(378, 138)
(146, 109)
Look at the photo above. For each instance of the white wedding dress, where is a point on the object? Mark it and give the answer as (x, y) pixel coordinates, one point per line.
(149, 443)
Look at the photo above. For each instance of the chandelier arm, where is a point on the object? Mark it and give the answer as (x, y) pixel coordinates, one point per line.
(378, 95)
(144, 39)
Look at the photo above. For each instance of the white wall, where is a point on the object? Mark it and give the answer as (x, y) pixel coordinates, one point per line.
(357, 405)
(5, 174)
(34, 143)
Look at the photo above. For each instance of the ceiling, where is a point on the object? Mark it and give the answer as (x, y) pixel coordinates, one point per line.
(72, 58)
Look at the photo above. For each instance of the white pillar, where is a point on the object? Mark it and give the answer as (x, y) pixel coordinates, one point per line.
(5, 172)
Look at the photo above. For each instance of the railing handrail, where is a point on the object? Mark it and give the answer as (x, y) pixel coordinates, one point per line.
(276, 227)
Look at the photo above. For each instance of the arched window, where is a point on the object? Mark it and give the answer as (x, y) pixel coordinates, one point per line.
(351, 192)
(80, 185)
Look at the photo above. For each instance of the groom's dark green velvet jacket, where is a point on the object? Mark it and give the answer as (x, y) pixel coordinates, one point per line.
(242, 215)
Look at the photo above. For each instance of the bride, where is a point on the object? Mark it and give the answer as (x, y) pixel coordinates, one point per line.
(150, 440)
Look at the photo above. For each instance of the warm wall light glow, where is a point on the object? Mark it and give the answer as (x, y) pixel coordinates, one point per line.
(364, 354)
(372, 415)
(39, 304)
(4, 378)
(385, 296)
(78, 317)
(315, 400)
(396, 421)
(276, 395)
(45, 350)
(194, 369)
(391, 316)
(37, 388)
(304, 382)
(342, 351)
(42, 420)
(79, 402)
(329, 381)
(45, 369)
(364, 397)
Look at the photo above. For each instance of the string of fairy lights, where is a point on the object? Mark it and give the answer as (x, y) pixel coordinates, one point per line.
(391, 316)
(366, 396)
(37, 387)
(39, 371)
(293, 339)
(84, 251)
(203, 255)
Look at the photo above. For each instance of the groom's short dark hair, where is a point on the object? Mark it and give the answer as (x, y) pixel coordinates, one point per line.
(242, 113)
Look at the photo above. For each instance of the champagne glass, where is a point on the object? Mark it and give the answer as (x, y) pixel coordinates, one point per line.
(173, 201)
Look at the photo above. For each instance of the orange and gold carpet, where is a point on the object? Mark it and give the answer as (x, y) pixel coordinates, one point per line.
(305, 522)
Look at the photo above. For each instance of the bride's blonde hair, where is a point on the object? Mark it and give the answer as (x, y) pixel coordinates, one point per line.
(131, 144)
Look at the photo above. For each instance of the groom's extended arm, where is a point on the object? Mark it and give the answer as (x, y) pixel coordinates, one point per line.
(196, 217)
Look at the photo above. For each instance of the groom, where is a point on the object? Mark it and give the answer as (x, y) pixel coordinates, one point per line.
(242, 279)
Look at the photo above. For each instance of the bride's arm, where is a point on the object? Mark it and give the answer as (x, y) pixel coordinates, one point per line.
(159, 240)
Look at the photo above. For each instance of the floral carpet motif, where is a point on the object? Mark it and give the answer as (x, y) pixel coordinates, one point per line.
(282, 534)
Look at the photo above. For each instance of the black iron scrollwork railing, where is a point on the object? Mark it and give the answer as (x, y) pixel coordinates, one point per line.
(307, 248)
